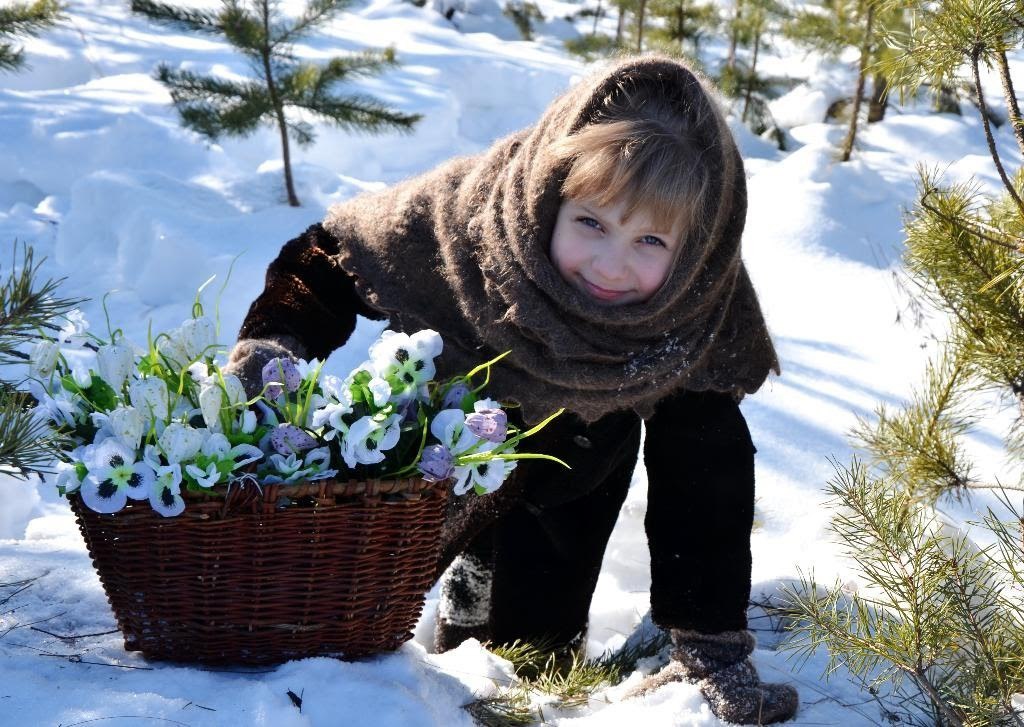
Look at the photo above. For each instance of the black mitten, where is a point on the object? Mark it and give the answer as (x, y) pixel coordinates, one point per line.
(719, 665)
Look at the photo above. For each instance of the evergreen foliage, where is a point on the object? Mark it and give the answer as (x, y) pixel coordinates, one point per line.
(215, 106)
(524, 14)
(681, 22)
(26, 307)
(835, 25)
(937, 609)
(21, 19)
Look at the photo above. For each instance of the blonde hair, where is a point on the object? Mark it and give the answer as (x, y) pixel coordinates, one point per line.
(641, 147)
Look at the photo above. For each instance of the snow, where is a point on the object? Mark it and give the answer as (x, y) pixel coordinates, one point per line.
(98, 175)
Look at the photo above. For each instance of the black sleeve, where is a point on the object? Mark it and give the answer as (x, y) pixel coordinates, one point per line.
(307, 295)
(700, 509)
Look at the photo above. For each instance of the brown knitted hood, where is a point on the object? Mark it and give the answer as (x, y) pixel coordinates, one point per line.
(463, 249)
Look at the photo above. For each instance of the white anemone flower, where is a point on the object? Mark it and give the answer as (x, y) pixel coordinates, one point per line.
(180, 442)
(127, 424)
(204, 477)
(407, 362)
(449, 427)
(150, 395)
(198, 337)
(484, 476)
(67, 476)
(165, 494)
(331, 419)
(381, 391)
(115, 362)
(114, 476)
(368, 439)
(335, 388)
(42, 359)
(76, 325)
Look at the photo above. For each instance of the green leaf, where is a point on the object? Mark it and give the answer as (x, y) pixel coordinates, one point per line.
(101, 395)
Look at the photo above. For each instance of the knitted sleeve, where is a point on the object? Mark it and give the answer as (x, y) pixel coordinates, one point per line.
(307, 296)
(700, 509)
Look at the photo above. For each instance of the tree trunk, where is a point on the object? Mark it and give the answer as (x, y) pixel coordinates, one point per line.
(750, 78)
(865, 50)
(275, 100)
(597, 16)
(1011, 190)
(879, 100)
(620, 28)
(1012, 107)
(641, 12)
(730, 59)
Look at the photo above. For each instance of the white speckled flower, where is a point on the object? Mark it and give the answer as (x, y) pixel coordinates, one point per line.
(180, 442)
(42, 359)
(198, 338)
(115, 362)
(127, 424)
(151, 396)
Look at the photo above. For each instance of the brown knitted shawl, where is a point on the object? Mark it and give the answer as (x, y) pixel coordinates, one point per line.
(463, 250)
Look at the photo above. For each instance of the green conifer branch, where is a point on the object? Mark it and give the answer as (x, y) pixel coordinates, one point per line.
(196, 21)
(21, 19)
(315, 13)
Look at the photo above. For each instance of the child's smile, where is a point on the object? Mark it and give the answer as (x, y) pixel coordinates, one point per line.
(613, 261)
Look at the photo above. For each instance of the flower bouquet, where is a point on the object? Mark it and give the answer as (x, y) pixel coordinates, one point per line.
(302, 521)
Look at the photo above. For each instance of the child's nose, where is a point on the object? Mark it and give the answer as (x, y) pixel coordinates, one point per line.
(610, 264)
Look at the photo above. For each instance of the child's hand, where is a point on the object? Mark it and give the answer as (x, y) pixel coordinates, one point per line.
(250, 355)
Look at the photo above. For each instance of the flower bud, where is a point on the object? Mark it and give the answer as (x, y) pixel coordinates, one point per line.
(489, 424)
(128, 424)
(283, 371)
(198, 336)
(436, 464)
(288, 439)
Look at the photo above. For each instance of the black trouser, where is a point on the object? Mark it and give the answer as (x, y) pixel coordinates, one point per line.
(547, 550)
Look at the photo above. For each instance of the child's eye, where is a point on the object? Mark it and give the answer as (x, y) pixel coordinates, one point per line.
(589, 222)
(653, 241)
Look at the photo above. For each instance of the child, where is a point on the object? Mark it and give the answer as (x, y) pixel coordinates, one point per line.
(602, 247)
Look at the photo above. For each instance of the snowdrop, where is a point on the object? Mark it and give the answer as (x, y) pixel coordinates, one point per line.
(150, 395)
(180, 442)
(81, 375)
(114, 476)
(43, 359)
(115, 362)
(368, 439)
(293, 468)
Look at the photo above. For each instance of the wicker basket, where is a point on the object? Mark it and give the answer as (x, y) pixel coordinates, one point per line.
(320, 569)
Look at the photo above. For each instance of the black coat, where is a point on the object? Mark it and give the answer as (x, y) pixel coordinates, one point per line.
(550, 529)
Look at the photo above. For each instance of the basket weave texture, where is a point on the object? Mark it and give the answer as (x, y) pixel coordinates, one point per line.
(341, 571)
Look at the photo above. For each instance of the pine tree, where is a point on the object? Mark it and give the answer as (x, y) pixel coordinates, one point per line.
(215, 106)
(26, 307)
(936, 608)
(20, 19)
(681, 22)
(865, 24)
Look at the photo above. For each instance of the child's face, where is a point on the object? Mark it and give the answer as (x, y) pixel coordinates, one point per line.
(615, 262)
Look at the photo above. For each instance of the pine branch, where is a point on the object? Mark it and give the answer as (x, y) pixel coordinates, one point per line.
(1012, 107)
(11, 58)
(28, 18)
(214, 106)
(26, 306)
(975, 60)
(316, 12)
(197, 21)
(27, 443)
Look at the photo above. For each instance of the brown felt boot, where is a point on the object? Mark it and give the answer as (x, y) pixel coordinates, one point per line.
(718, 665)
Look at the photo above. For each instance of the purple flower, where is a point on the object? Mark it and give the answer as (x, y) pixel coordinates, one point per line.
(454, 396)
(275, 370)
(489, 424)
(436, 464)
(289, 439)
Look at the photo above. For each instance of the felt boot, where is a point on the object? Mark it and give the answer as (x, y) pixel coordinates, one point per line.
(464, 608)
(719, 665)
